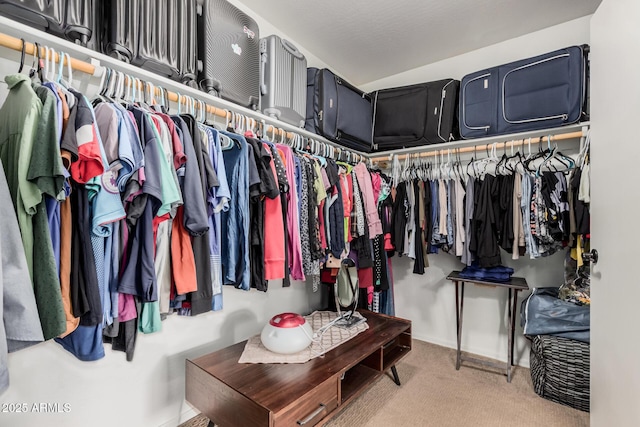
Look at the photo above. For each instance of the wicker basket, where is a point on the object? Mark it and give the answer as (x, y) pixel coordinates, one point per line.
(560, 370)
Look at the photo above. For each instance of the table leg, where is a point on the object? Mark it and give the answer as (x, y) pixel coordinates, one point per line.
(513, 322)
(510, 339)
(396, 378)
(459, 308)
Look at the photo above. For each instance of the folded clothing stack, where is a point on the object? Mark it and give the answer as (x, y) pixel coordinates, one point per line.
(488, 274)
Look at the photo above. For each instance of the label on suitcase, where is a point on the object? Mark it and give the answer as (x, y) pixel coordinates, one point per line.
(545, 91)
(414, 115)
(341, 112)
(71, 19)
(229, 49)
(283, 80)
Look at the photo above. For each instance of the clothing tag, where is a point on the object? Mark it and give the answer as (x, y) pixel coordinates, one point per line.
(486, 83)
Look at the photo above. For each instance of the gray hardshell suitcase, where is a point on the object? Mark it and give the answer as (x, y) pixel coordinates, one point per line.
(283, 80)
(157, 35)
(71, 19)
(229, 51)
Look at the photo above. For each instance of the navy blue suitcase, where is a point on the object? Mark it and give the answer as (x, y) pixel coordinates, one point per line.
(338, 111)
(541, 92)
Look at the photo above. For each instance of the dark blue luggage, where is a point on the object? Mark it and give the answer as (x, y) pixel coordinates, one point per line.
(338, 111)
(542, 92)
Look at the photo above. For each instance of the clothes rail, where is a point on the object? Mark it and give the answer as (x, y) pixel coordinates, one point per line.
(180, 94)
(30, 49)
(516, 140)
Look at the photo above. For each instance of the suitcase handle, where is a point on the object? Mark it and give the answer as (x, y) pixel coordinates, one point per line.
(263, 64)
(291, 49)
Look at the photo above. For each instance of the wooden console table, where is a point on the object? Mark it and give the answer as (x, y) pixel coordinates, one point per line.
(514, 285)
(301, 394)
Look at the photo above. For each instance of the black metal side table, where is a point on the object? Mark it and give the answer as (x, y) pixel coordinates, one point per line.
(515, 285)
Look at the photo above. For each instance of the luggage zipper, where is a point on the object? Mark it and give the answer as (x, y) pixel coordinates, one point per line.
(564, 117)
(464, 116)
(442, 98)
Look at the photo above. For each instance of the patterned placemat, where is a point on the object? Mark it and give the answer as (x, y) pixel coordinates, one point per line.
(255, 352)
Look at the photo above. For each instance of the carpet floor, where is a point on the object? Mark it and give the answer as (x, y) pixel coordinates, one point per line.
(433, 393)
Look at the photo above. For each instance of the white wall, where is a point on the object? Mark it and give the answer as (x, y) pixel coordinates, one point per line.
(568, 34)
(429, 300)
(266, 28)
(615, 349)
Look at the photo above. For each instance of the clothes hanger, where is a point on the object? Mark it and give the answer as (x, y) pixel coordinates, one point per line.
(50, 69)
(112, 85)
(531, 158)
(102, 87)
(508, 164)
(36, 65)
(548, 154)
(500, 166)
(204, 110)
(318, 154)
(22, 54)
(45, 66)
(584, 151)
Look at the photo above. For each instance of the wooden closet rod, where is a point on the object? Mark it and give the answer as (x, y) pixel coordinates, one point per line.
(484, 147)
(30, 49)
(85, 67)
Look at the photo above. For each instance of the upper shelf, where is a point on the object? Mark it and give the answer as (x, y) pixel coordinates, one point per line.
(94, 61)
(98, 60)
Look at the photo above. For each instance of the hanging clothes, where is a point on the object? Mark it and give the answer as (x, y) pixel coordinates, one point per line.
(20, 322)
(235, 221)
(294, 249)
(30, 177)
(218, 199)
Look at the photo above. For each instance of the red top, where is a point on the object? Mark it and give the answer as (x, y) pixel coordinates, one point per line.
(287, 320)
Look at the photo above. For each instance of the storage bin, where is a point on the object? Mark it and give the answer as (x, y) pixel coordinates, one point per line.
(560, 370)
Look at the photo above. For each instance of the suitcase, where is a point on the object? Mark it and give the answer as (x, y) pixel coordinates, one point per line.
(339, 111)
(283, 87)
(71, 19)
(309, 119)
(415, 115)
(229, 52)
(542, 92)
(157, 35)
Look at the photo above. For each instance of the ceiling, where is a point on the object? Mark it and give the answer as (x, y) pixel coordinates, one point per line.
(366, 40)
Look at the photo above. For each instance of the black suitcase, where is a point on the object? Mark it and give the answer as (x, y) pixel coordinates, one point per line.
(414, 115)
(229, 50)
(541, 92)
(70, 19)
(157, 35)
(283, 86)
(339, 111)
